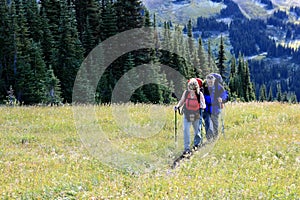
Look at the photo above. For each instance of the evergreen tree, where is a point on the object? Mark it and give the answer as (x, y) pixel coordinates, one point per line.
(47, 41)
(53, 90)
(279, 94)
(52, 9)
(109, 20)
(31, 75)
(190, 36)
(88, 40)
(202, 59)
(138, 95)
(250, 93)
(210, 59)
(241, 92)
(29, 89)
(270, 96)
(285, 97)
(221, 59)
(69, 54)
(232, 79)
(262, 93)
(293, 98)
(33, 18)
(147, 22)
(6, 47)
(167, 57)
(88, 12)
(129, 14)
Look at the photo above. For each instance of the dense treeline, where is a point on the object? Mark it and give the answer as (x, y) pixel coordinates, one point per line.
(275, 80)
(42, 45)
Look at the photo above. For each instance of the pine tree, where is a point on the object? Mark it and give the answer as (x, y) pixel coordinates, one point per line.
(88, 12)
(293, 98)
(109, 20)
(53, 90)
(210, 59)
(69, 54)
(221, 59)
(285, 97)
(279, 94)
(190, 36)
(262, 93)
(28, 87)
(47, 41)
(270, 96)
(240, 78)
(129, 14)
(31, 75)
(88, 40)
(52, 9)
(147, 22)
(33, 18)
(138, 96)
(202, 59)
(6, 47)
(232, 79)
(250, 93)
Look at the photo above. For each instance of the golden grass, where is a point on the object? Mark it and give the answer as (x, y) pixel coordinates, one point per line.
(42, 156)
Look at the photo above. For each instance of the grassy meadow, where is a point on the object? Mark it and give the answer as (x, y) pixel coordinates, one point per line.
(43, 157)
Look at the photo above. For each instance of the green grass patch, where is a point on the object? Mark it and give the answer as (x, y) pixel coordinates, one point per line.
(42, 156)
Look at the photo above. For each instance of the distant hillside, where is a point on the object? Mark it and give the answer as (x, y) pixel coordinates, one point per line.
(266, 32)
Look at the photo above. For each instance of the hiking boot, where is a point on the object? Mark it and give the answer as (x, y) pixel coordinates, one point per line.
(196, 147)
(187, 153)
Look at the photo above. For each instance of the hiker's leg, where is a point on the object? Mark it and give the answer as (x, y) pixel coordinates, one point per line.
(215, 121)
(186, 133)
(208, 125)
(197, 134)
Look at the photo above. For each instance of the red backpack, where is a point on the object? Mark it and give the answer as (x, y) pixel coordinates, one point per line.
(191, 107)
(192, 103)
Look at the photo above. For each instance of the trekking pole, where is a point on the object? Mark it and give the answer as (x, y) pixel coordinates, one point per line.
(222, 119)
(175, 127)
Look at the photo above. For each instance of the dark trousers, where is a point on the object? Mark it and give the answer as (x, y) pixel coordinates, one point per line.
(211, 125)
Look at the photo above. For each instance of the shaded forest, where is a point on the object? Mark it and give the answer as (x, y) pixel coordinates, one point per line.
(42, 45)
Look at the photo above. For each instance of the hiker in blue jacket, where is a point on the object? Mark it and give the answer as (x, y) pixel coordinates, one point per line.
(214, 94)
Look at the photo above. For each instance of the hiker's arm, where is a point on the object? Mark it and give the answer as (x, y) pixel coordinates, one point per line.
(181, 102)
(202, 101)
(223, 95)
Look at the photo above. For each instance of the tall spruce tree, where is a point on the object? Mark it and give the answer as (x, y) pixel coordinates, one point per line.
(279, 93)
(232, 79)
(262, 93)
(293, 98)
(221, 59)
(52, 9)
(69, 54)
(52, 88)
(33, 18)
(210, 58)
(6, 47)
(250, 93)
(88, 12)
(109, 20)
(202, 59)
(270, 96)
(129, 14)
(30, 66)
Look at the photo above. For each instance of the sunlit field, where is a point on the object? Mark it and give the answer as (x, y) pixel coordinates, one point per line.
(42, 156)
